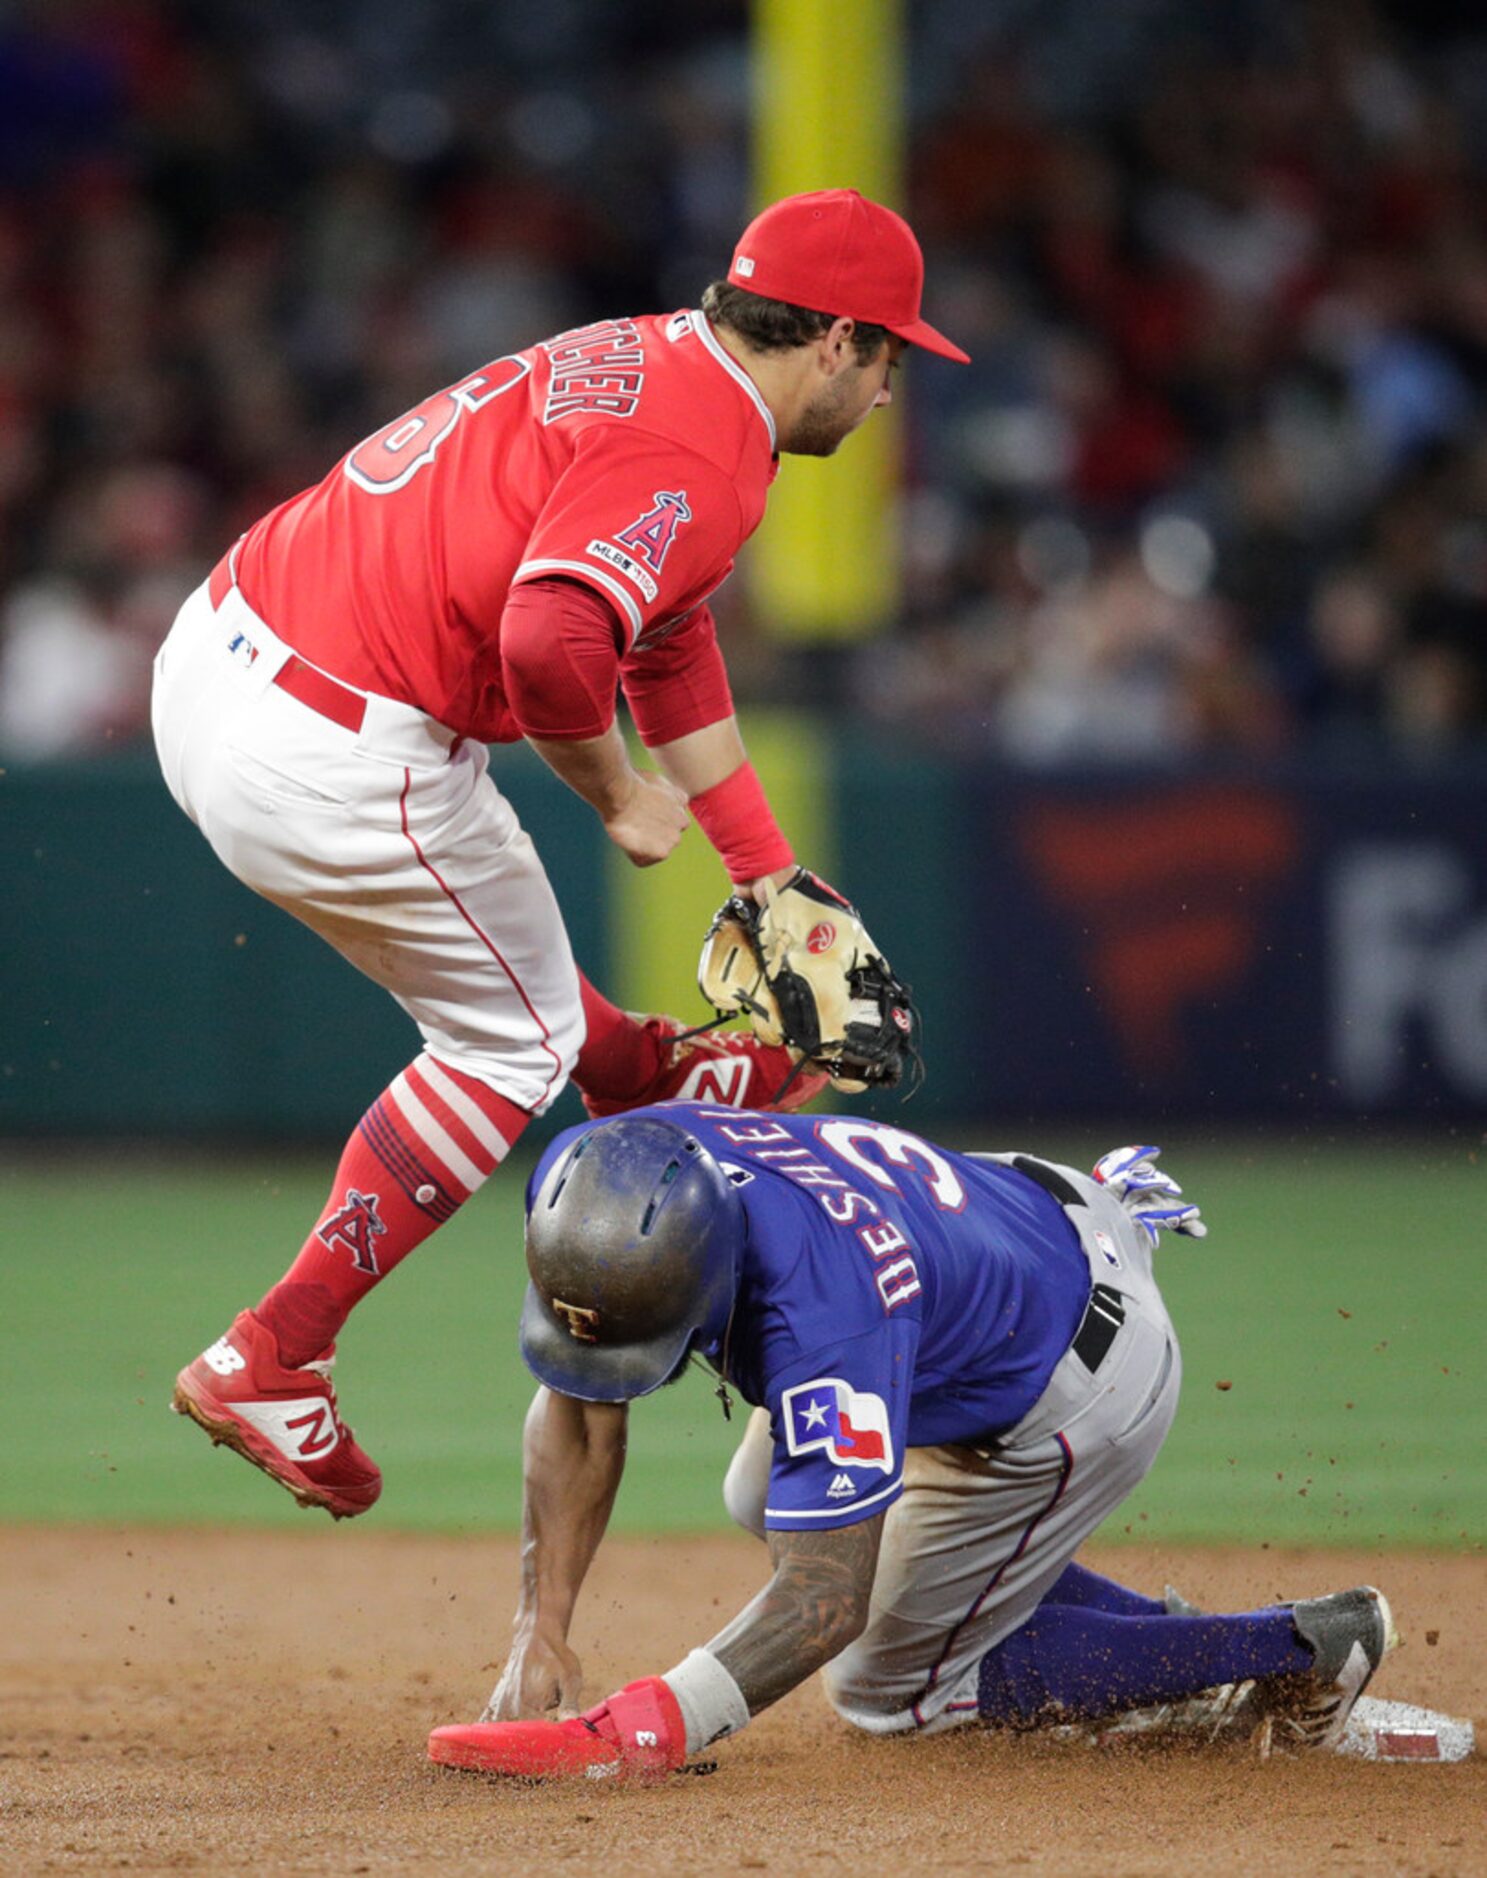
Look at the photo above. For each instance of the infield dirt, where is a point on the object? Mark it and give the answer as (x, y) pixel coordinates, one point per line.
(173, 1701)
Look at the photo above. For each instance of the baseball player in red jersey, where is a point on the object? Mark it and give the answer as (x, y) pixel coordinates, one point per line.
(487, 567)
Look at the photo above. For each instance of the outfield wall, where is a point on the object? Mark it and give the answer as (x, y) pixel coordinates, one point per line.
(1278, 945)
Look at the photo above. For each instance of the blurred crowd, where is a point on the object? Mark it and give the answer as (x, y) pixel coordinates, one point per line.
(1215, 482)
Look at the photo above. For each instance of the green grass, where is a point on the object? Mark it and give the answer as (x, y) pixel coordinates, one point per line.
(1363, 1428)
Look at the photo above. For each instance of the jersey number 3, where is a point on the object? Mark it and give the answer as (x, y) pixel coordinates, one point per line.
(849, 1139)
(392, 456)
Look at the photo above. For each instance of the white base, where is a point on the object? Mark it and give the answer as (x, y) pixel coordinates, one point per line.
(1375, 1731)
(1398, 1731)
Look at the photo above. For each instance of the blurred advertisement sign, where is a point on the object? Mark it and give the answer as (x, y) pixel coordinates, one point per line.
(1279, 948)
(1311, 943)
(1408, 969)
(1170, 891)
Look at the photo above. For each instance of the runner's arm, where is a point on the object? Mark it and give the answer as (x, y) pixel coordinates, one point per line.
(812, 1608)
(573, 1455)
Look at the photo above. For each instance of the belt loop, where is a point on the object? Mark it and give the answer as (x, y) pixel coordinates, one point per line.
(1049, 1179)
(1103, 1316)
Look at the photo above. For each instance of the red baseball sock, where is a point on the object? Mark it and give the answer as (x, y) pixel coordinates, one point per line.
(419, 1152)
(619, 1057)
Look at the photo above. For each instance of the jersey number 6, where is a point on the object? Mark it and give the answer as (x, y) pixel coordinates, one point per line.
(390, 457)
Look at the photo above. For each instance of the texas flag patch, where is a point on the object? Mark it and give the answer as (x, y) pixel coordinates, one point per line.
(851, 1426)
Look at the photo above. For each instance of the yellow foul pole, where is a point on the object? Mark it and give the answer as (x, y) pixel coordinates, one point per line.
(828, 114)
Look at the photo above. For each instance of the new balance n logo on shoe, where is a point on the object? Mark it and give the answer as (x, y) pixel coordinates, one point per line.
(353, 1228)
(303, 1429)
(320, 1432)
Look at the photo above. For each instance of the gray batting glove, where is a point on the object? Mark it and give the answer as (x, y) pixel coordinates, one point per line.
(1152, 1198)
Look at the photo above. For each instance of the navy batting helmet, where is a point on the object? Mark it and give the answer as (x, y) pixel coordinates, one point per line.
(633, 1246)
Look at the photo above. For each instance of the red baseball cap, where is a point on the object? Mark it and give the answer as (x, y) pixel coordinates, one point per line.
(835, 252)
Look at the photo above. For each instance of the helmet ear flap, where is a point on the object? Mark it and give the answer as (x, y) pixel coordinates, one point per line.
(634, 1238)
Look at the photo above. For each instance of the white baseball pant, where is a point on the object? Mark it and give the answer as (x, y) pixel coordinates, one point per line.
(390, 841)
(978, 1536)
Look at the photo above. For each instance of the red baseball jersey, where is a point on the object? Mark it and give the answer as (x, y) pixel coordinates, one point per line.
(634, 456)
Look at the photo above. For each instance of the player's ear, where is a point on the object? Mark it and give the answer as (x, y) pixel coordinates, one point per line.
(836, 347)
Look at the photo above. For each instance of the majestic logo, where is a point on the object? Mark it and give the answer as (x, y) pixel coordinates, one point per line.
(850, 1425)
(650, 535)
(354, 1228)
(580, 1322)
(841, 1488)
(822, 937)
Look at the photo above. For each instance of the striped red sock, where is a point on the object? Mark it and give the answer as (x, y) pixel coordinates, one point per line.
(419, 1152)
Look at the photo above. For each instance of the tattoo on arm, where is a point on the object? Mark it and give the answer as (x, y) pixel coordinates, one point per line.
(813, 1607)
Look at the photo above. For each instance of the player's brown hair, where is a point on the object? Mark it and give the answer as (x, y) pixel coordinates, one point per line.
(776, 326)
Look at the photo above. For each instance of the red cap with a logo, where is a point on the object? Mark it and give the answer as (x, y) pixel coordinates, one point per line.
(835, 252)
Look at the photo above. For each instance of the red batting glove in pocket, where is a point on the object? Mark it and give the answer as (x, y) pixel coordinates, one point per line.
(638, 1732)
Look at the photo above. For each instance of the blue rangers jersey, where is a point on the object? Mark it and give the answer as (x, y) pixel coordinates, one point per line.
(893, 1294)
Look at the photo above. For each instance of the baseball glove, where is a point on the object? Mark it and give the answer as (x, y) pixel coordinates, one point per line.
(805, 972)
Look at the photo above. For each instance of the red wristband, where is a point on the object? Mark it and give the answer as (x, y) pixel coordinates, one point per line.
(738, 821)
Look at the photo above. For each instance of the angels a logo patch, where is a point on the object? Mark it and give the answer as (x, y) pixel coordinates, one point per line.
(353, 1228)
(650, 535)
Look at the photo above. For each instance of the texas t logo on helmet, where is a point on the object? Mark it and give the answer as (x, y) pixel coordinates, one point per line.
(581, 1323)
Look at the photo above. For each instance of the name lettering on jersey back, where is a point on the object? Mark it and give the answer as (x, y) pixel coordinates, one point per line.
(897, 1277)
(595, 368)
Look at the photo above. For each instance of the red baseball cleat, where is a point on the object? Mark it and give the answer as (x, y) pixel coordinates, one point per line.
(527, 1750)
(282, 1420)
(729, 1067)
(637, 1732)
